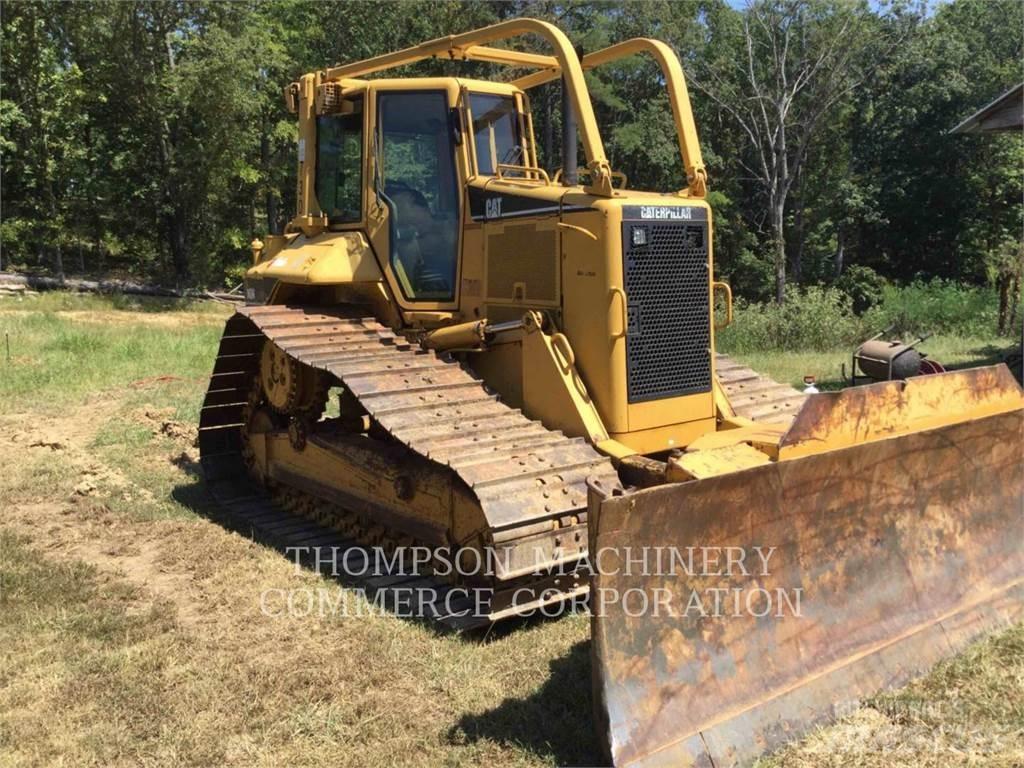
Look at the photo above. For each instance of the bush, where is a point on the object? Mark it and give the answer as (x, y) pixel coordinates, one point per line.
(816, 318)
(863, 285)
(937, 306)
(812, 318)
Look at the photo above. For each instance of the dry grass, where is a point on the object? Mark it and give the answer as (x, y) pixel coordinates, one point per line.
(969, 711)
(131, 630)
(130, 637)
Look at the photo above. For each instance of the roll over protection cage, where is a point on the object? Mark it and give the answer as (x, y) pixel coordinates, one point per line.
(471, 46)
(679, 97)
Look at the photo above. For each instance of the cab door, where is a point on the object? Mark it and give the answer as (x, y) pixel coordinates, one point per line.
(417, 202)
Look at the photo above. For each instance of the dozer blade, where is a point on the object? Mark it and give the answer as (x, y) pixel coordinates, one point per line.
(841, 573)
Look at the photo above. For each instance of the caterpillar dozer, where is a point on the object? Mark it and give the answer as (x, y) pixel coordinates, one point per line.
(526, 373)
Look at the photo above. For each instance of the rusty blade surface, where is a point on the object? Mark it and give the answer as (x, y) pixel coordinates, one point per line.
(902, 551)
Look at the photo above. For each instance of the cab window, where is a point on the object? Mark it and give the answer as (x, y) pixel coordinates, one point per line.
(339, 163)
(421, 193)
(496, 134)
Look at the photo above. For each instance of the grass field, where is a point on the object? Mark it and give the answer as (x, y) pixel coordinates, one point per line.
(131, 630)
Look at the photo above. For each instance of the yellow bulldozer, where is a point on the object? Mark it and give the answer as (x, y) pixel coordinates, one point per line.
(525, 368)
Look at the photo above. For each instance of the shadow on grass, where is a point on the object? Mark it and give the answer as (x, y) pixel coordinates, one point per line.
(188, 465)
(152, 304)
(555, 722)
(196, 496)
(831, 384)
(989, 354)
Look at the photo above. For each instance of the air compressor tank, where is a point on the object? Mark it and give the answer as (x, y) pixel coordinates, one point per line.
(883, 360)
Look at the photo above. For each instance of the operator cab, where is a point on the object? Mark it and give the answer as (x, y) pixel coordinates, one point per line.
(409, 142)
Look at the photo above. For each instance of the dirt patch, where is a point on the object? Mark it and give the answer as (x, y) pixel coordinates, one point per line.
(72, 431)
(139, 564)
(160, 421)
(69, 437)
(153, 380)
(80, 525)
(93, 533)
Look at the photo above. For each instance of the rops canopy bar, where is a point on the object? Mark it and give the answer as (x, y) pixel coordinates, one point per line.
(675, 81)
(467, 45)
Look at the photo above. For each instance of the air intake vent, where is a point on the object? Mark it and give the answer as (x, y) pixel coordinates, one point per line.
(668, 336)
(328, 99)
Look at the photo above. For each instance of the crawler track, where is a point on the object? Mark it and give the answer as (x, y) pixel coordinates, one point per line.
(754, 395)
(530, 482)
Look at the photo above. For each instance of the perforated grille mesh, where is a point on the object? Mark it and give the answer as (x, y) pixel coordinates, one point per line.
(668, 331)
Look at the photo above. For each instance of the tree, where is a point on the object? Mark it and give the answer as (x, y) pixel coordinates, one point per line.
(150, 138)
(948, 201)
(778, 70)
(40, 115)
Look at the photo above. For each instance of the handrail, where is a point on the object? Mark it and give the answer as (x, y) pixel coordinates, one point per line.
(459, 46)
(675, 83)
(615, 175)
(718, 285)
(540, 172)
(616, 291)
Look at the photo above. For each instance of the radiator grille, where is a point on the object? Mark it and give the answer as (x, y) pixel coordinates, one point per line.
(668, 330)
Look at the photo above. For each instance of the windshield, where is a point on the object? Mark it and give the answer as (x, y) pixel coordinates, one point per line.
(496, 133)
(339, 164)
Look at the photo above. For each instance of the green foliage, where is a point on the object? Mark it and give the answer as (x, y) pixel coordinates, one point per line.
(150, 139)
(936, 306)
(812, 318)
(823, 318)
(945, 200)
(863, 285)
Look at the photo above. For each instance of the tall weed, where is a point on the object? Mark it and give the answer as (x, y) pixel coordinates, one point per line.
(812, 318)
(937, 306)
(822, 318)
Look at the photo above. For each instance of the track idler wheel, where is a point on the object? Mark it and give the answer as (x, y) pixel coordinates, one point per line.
(289, 386)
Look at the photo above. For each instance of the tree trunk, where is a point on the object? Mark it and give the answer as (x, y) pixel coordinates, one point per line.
(837, 260)
(58, 262)
(176, 221)
(1014, 303)
(779, 191)
(796, 262)
(178, 239)
(58, 257)
(779, 250)
(273, 217)
(269, 199)
(1015, 300)
(796, 266)
(1003, 287)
